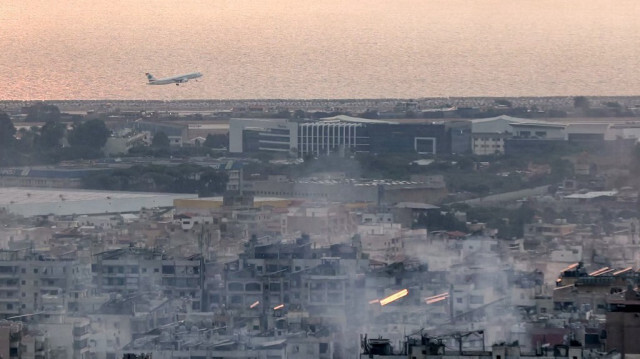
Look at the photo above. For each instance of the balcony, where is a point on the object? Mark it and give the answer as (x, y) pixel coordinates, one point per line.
(80, 331)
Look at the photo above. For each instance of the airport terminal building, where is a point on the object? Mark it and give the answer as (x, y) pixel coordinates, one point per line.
(339, 134)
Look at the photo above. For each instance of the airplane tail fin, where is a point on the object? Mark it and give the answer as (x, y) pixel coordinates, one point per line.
(150, 77)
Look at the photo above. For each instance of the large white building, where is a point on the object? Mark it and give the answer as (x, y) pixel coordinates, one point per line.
(488, 135)
(324, 136)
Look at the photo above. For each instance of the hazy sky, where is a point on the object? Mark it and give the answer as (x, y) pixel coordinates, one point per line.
(64, 49)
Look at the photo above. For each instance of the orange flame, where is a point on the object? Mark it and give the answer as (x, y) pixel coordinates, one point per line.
(393, 297)
(623, 271)
(570, 267)
(436, 300)
(445, 294)
(601, 270)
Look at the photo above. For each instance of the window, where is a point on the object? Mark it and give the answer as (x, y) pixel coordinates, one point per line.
(476, 299)
(236, 299)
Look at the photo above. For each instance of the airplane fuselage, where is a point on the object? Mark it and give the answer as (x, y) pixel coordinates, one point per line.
(173, 80)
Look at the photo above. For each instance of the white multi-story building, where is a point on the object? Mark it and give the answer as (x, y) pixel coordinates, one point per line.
(34, 283)
(339, 134)
(326, 137)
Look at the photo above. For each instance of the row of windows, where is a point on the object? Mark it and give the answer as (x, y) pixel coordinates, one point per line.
(135, 270)
(257, 287)
(486, 139)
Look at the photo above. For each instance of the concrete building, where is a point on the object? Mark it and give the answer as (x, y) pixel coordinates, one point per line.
(18, 341)
(294, 275)
(409, 213)
(132, 270)
(488, 135)
(250, 135)
(339, 134)
(623, 323)
(32, 282)
(425, 347)
(558, 229)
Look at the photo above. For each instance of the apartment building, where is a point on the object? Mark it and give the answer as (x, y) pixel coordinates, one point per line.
(294, 275)
(130, 271)
(33, 283)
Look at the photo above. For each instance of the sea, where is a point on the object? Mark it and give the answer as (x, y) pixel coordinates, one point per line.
(321, 49)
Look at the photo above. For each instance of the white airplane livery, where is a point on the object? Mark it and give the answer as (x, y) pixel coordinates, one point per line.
(172, 80)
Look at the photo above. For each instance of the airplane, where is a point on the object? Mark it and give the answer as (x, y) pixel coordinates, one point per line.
(172, 80)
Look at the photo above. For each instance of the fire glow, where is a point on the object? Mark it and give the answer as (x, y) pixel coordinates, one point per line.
(436, 298)
(255, 304)
(393, 297)
(599, 271)
(573, 266)
(563, 287)
(623, 271)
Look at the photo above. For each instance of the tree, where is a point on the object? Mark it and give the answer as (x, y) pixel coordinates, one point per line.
(7, 131)
(299, 114)
(370, 114)
(160, 140)
(92, 134)
(581, 102)
(27, 140)
(50, 135)
(42, 112)
(216, 141)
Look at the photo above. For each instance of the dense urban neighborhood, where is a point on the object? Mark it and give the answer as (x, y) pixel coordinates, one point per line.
(478, 228)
